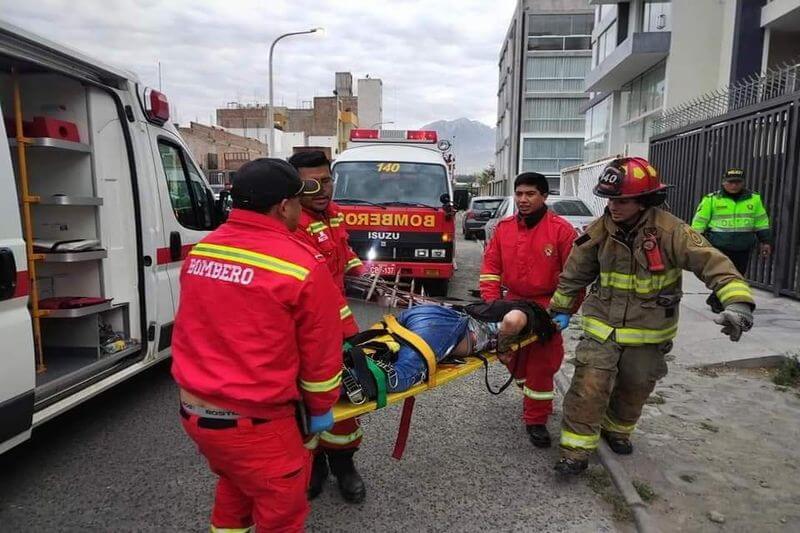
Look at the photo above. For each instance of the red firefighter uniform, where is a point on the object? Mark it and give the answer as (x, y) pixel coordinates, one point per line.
(327, 234)
(527, 262)
(253, 332)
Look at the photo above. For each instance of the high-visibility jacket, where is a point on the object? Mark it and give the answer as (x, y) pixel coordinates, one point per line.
(325, 232)
(258, 326)
(628, 302)
(733, 224)
(527, 261)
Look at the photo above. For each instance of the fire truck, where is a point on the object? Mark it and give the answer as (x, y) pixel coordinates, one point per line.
(395, 191)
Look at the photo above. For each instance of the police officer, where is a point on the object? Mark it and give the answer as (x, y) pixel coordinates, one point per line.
(633, 256)
(257, 332)
(322, 226)
(733, 219)
(526, 255)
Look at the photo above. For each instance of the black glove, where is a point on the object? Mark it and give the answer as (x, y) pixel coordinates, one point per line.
(735, 320)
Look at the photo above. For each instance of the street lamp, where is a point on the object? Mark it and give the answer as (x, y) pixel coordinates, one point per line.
(381, 124)
(271, 112)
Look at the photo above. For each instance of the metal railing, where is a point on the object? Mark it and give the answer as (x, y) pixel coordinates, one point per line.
(776, 82)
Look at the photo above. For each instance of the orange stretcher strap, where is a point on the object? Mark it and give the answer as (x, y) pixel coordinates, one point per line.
(417, 343)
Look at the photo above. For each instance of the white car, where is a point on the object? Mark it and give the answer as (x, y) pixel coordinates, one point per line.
(573, 209)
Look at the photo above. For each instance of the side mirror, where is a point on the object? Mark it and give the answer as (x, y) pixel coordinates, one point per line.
(447, 205)
(223, 206)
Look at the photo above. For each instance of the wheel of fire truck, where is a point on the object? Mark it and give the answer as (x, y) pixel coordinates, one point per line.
(436, 287)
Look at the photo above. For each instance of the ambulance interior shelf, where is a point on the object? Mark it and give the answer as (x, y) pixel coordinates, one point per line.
(61, 221)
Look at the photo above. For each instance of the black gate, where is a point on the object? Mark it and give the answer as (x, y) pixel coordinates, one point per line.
(763, 140)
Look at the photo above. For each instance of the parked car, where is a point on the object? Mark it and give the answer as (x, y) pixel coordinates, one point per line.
(573, 209)
(481, 209)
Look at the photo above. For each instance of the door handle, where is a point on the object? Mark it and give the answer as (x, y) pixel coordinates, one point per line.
(8, 274)
(175, 246)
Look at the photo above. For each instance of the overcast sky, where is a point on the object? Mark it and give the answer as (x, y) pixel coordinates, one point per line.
(437, 58)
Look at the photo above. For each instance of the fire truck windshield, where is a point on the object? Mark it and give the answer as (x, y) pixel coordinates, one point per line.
(389, 183)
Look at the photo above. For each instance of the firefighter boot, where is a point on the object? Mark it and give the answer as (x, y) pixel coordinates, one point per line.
(539, 435)
(319, 473)
(619, 444)
(351, 486)
(571, 467)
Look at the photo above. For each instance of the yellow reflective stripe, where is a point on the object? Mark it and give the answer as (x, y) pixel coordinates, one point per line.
(537, 395)
(644, 336)
(355, 262)
(734, 289)
(336, 221)
(561, 300)
(238, 255)
(581, 442)
(629, 282)
(316, 227)
(312, 443)
(610, 425)
(231, 529)
(341, 440)
(345, 312)
(602, 331)
(489, 277)
(322, 386)
(596, 328)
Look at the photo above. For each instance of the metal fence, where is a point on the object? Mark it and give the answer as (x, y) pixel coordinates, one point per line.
(774, 83)
(761, 138)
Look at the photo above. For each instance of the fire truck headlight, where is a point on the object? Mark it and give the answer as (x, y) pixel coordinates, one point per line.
(421, 252)
(438, 253)
(371, 254)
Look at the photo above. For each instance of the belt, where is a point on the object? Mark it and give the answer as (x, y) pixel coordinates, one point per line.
(208, 422)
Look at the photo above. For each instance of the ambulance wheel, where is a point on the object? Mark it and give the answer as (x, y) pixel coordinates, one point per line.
(436, 287)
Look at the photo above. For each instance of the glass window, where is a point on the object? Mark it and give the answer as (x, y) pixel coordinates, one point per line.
(545, 43)
(569, 208)
(389, 183)
(552, 115)
(549, 156)
(190, 197)
(556, 74)
(657, 16)
(560, 25)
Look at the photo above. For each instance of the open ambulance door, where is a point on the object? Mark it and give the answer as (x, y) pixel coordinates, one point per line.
(187, 211)
(17, 373)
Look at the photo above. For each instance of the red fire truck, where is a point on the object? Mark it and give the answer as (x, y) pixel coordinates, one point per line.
(395, 191)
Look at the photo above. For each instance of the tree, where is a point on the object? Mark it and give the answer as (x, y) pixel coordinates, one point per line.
(486, 175)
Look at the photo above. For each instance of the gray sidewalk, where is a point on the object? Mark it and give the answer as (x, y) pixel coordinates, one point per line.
(717, 447)
(776, 330)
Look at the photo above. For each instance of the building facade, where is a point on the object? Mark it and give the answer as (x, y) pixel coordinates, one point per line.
(543, 61)
(370, 102)
(652, 55)
(218, 149)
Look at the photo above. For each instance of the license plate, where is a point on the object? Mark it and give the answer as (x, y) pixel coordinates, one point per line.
(383, 270)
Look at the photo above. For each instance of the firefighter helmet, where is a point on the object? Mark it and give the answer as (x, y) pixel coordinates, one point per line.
(628, 177)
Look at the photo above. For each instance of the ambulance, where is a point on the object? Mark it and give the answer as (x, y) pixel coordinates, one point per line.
(395, 190)
(100, 201)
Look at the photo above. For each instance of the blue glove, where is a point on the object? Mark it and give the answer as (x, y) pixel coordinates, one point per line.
(561, 320)
(320, 423)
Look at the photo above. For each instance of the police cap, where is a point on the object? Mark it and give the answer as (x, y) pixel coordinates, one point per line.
(733, 174)
(264, 182)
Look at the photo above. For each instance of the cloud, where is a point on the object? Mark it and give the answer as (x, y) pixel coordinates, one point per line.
(437, 59)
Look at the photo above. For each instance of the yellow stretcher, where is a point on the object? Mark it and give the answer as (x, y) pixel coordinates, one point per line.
(445, 373)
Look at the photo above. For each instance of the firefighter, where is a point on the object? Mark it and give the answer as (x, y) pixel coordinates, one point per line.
(257, 335)
(526, 255)
(322, 226)
(634, 255)
(734, 219)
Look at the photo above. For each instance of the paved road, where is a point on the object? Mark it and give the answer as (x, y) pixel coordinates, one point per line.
(121, 463)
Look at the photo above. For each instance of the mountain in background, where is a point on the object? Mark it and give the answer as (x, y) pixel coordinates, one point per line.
(473, 142)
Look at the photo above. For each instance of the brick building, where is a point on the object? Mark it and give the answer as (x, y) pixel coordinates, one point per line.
(217, 149)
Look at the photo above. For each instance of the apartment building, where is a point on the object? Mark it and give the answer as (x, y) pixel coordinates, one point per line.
(652, 55)
(543, 61)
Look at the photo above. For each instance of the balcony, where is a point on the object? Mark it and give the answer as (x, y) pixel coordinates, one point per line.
(635, 55)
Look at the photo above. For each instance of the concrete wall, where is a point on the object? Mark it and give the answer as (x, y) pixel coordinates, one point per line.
(370, 102)
(694, 64)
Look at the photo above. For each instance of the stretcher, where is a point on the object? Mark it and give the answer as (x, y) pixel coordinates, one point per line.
(445, 373)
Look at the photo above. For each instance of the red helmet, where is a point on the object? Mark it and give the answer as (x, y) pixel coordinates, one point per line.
(628, 177)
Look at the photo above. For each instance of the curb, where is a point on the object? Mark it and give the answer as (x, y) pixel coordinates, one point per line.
(644, 523)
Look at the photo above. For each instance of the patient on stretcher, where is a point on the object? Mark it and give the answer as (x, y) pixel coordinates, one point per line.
(451, 334)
